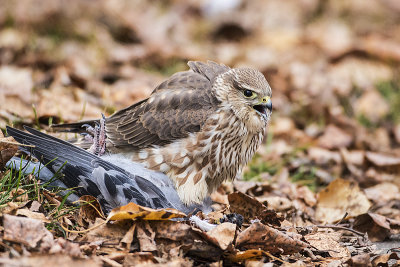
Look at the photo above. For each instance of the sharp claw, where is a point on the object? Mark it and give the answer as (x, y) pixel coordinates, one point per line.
(86, 126)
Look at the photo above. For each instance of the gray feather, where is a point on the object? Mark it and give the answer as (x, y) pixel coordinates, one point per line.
(114, 181)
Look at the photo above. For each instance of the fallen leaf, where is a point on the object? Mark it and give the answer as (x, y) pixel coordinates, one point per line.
(358, 72)
(8, 148)
(283, 126)
(381, 47)
(382, 160)
(324, 156)
(66, 247)
(90, 208)
(328, 241)
(27, 231)
(260, 236)
(177, 238)
(359, 260)
(377, 226)
(222, 235)
(16, 82)
(33, 215)
(304, 192)
(145, 235)
(276, 203)
(251, 208)
(334, 137)
(69, 105)
(107, 233)
(251, 254)
(382, 260)
(339, 197)
(126, 241)
(133, 259)
(134, 211)
(19, 195)
(383, 192)
(356, 157)
(174, 231)
(332, 35)
(371, 98)
(58, 260)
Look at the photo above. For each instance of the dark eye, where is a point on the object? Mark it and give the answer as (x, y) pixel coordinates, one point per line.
(248, 93)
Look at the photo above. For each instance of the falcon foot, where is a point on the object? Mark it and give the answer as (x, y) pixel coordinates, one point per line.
(97, 136)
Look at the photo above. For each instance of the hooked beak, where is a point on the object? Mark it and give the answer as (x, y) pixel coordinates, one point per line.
(264, 107)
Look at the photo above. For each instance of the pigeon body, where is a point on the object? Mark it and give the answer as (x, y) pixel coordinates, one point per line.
(113, 180)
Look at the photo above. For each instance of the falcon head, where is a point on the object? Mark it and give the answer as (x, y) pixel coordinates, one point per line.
(247, 93)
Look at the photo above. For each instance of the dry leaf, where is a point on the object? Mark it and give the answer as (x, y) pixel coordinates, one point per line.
(33, 215)
(145, 235)
(126, 241)
(134, 259)
(107, 233)
(27, 231)
(339, 197)
(171, 230)
(359, 260)
(383, 192)
(16, 82)
(328, 241)
(307, 195)
(370, 99)
(260, 236)
(382, 160)
(90, 208)
(222, 235)
(19, 195)
(251, 208)
(134, 211)
(334, 137)
(8, 148)
(382, 260)
(251, 254)
(324, 156)
(381, 47)
(377, 226)
(58, 260)
(276, 203)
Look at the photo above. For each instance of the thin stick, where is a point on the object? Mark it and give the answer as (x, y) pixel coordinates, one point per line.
(341, 228)
(93, 206)
(273, 257)
(341, 220)
(83, 231)
(15, 143)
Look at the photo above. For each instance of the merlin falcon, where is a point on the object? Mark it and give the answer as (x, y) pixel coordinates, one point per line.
(199, 127)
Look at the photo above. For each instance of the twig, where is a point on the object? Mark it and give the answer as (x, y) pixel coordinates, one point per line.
(15, 143)
(93, 206)
(273, 257)
(341, 228)
(341, 220)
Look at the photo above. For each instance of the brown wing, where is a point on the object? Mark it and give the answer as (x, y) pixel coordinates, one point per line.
(177, 107)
